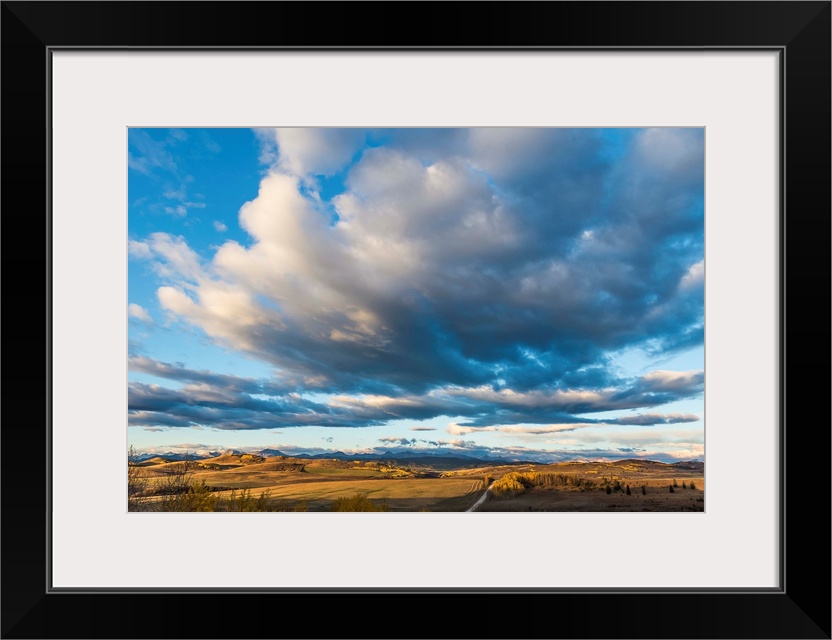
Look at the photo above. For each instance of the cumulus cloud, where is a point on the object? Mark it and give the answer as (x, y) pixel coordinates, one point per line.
(175, 258)
(401, 441)
(483, 274)
(425, 260)
(139, 313)
(140, 250)
(316, 151)
(309, 152)
(219, 226)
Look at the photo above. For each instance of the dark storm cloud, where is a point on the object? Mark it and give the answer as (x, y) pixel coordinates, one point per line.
(203, 405)
(224, 407)
(564, 407)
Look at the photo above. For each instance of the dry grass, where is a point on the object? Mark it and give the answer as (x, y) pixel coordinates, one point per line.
(318, 484)
(649, 485)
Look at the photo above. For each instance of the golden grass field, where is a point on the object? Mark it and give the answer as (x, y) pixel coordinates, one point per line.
(315, 485)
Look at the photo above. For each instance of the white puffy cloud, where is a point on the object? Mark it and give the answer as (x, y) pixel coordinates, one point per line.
(499, 269)
(138, 312)
(315, 151)
(175, 259)
(139, 250)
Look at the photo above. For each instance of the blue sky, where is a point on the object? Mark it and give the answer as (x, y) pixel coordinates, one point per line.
(505, 292)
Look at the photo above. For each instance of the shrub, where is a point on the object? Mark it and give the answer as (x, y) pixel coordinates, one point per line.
(244, 502)
(692, 486)
(359, 502)
(186, 495)
(585, 485)
(137, 482)
(178, 490)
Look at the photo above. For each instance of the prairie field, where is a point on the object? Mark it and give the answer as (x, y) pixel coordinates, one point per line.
(246, 482)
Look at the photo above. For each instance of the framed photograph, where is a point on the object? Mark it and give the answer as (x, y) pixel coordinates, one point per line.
(290, 270)
(435, 274)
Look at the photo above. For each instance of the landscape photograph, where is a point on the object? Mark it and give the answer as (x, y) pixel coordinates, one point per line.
(485, 319)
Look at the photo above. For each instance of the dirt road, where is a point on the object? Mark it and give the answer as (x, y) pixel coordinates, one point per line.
(484, 495)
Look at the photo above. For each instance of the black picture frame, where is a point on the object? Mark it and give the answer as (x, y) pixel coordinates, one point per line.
(799, 608)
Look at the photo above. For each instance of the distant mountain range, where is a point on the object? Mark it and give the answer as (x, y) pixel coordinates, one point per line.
(336, 455)
(695, 465)
(458, 458)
